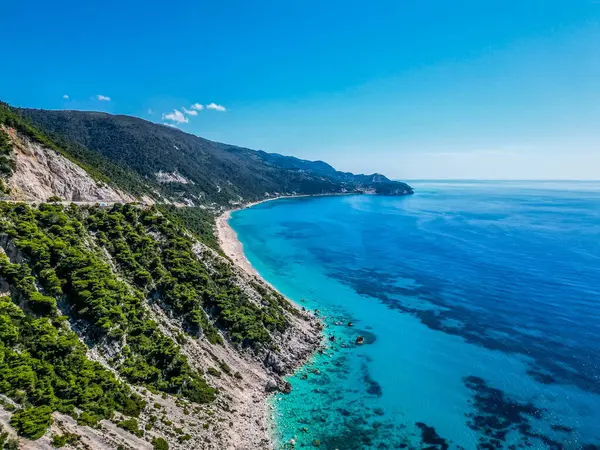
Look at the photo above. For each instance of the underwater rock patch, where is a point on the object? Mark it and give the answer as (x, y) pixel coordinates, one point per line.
(373, 387)
(497, 415)
(550, 365)
(368, 336)
(430, 438)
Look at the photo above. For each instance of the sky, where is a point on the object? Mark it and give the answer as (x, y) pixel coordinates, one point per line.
(413, 89)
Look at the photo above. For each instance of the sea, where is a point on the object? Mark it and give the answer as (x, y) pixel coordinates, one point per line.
(478, 304)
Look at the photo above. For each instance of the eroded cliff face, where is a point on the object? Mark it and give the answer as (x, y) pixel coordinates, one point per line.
(42, 173)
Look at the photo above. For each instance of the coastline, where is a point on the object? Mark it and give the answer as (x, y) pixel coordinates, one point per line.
(234, 250)
(231, 245)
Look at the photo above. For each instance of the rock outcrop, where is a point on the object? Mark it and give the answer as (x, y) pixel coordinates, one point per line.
(42, 173)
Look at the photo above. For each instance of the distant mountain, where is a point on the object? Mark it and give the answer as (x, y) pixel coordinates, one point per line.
(162, 160)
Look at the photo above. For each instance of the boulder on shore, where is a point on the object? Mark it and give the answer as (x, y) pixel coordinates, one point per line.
(272, 362)
(285, 387)
(271, 385)
(282, 386)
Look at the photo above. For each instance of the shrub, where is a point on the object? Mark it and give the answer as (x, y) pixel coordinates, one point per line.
(225, 367)
(214, 372)
(60, 440)
(7, 443)
(131, 425)
(159, 444)
(87, 419)
(33, 422)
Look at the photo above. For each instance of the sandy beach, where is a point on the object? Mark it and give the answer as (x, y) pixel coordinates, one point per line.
(229, 241)
(301, 341)
(230, 244)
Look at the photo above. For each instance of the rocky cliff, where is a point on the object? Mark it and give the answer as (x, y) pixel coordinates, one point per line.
(41, 173)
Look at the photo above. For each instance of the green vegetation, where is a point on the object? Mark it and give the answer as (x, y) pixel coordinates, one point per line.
(186, 437)
(43, 364)
(131, 425)
(60, 440)
(55, 240)
(198, 220)
(86, 419)
(160, 444)
(6, 442)
(7, 160)
(225, 367)
(7, 406)
(213, 372)
(32, 422)
(44, 368)
(203, 296)
(217, 173)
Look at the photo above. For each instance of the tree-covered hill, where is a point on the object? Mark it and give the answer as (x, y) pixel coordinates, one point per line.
(184, 166)
(106, 273)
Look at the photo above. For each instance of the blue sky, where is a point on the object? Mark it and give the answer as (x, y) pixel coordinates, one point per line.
(414, 89)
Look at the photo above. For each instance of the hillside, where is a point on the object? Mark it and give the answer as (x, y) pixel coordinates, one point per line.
(117, 318)
(122, 325)
(192, 170)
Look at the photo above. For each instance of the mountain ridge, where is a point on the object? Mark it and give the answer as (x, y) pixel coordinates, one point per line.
(218, 173)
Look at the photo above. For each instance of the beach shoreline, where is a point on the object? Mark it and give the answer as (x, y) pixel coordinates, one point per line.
(234, 250)
(232, 246)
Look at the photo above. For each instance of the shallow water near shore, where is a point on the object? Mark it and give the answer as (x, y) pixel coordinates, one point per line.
(479, 303)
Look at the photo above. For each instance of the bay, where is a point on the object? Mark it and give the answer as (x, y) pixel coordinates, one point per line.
(479, 303)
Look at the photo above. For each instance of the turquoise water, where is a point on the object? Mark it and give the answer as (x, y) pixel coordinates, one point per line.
(479, 304)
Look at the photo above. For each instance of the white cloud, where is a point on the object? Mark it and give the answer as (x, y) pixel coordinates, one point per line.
(103, 98)
(176, 116)
(215, 107)
(66, 97)
(198, 106)
(190, 112)
(149, 111)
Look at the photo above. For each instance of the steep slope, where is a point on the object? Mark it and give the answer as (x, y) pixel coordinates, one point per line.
(99, 168)
(39, 173)
(118, 318)
(190, 169)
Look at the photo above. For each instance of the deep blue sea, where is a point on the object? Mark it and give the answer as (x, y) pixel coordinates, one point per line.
(479, 303)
